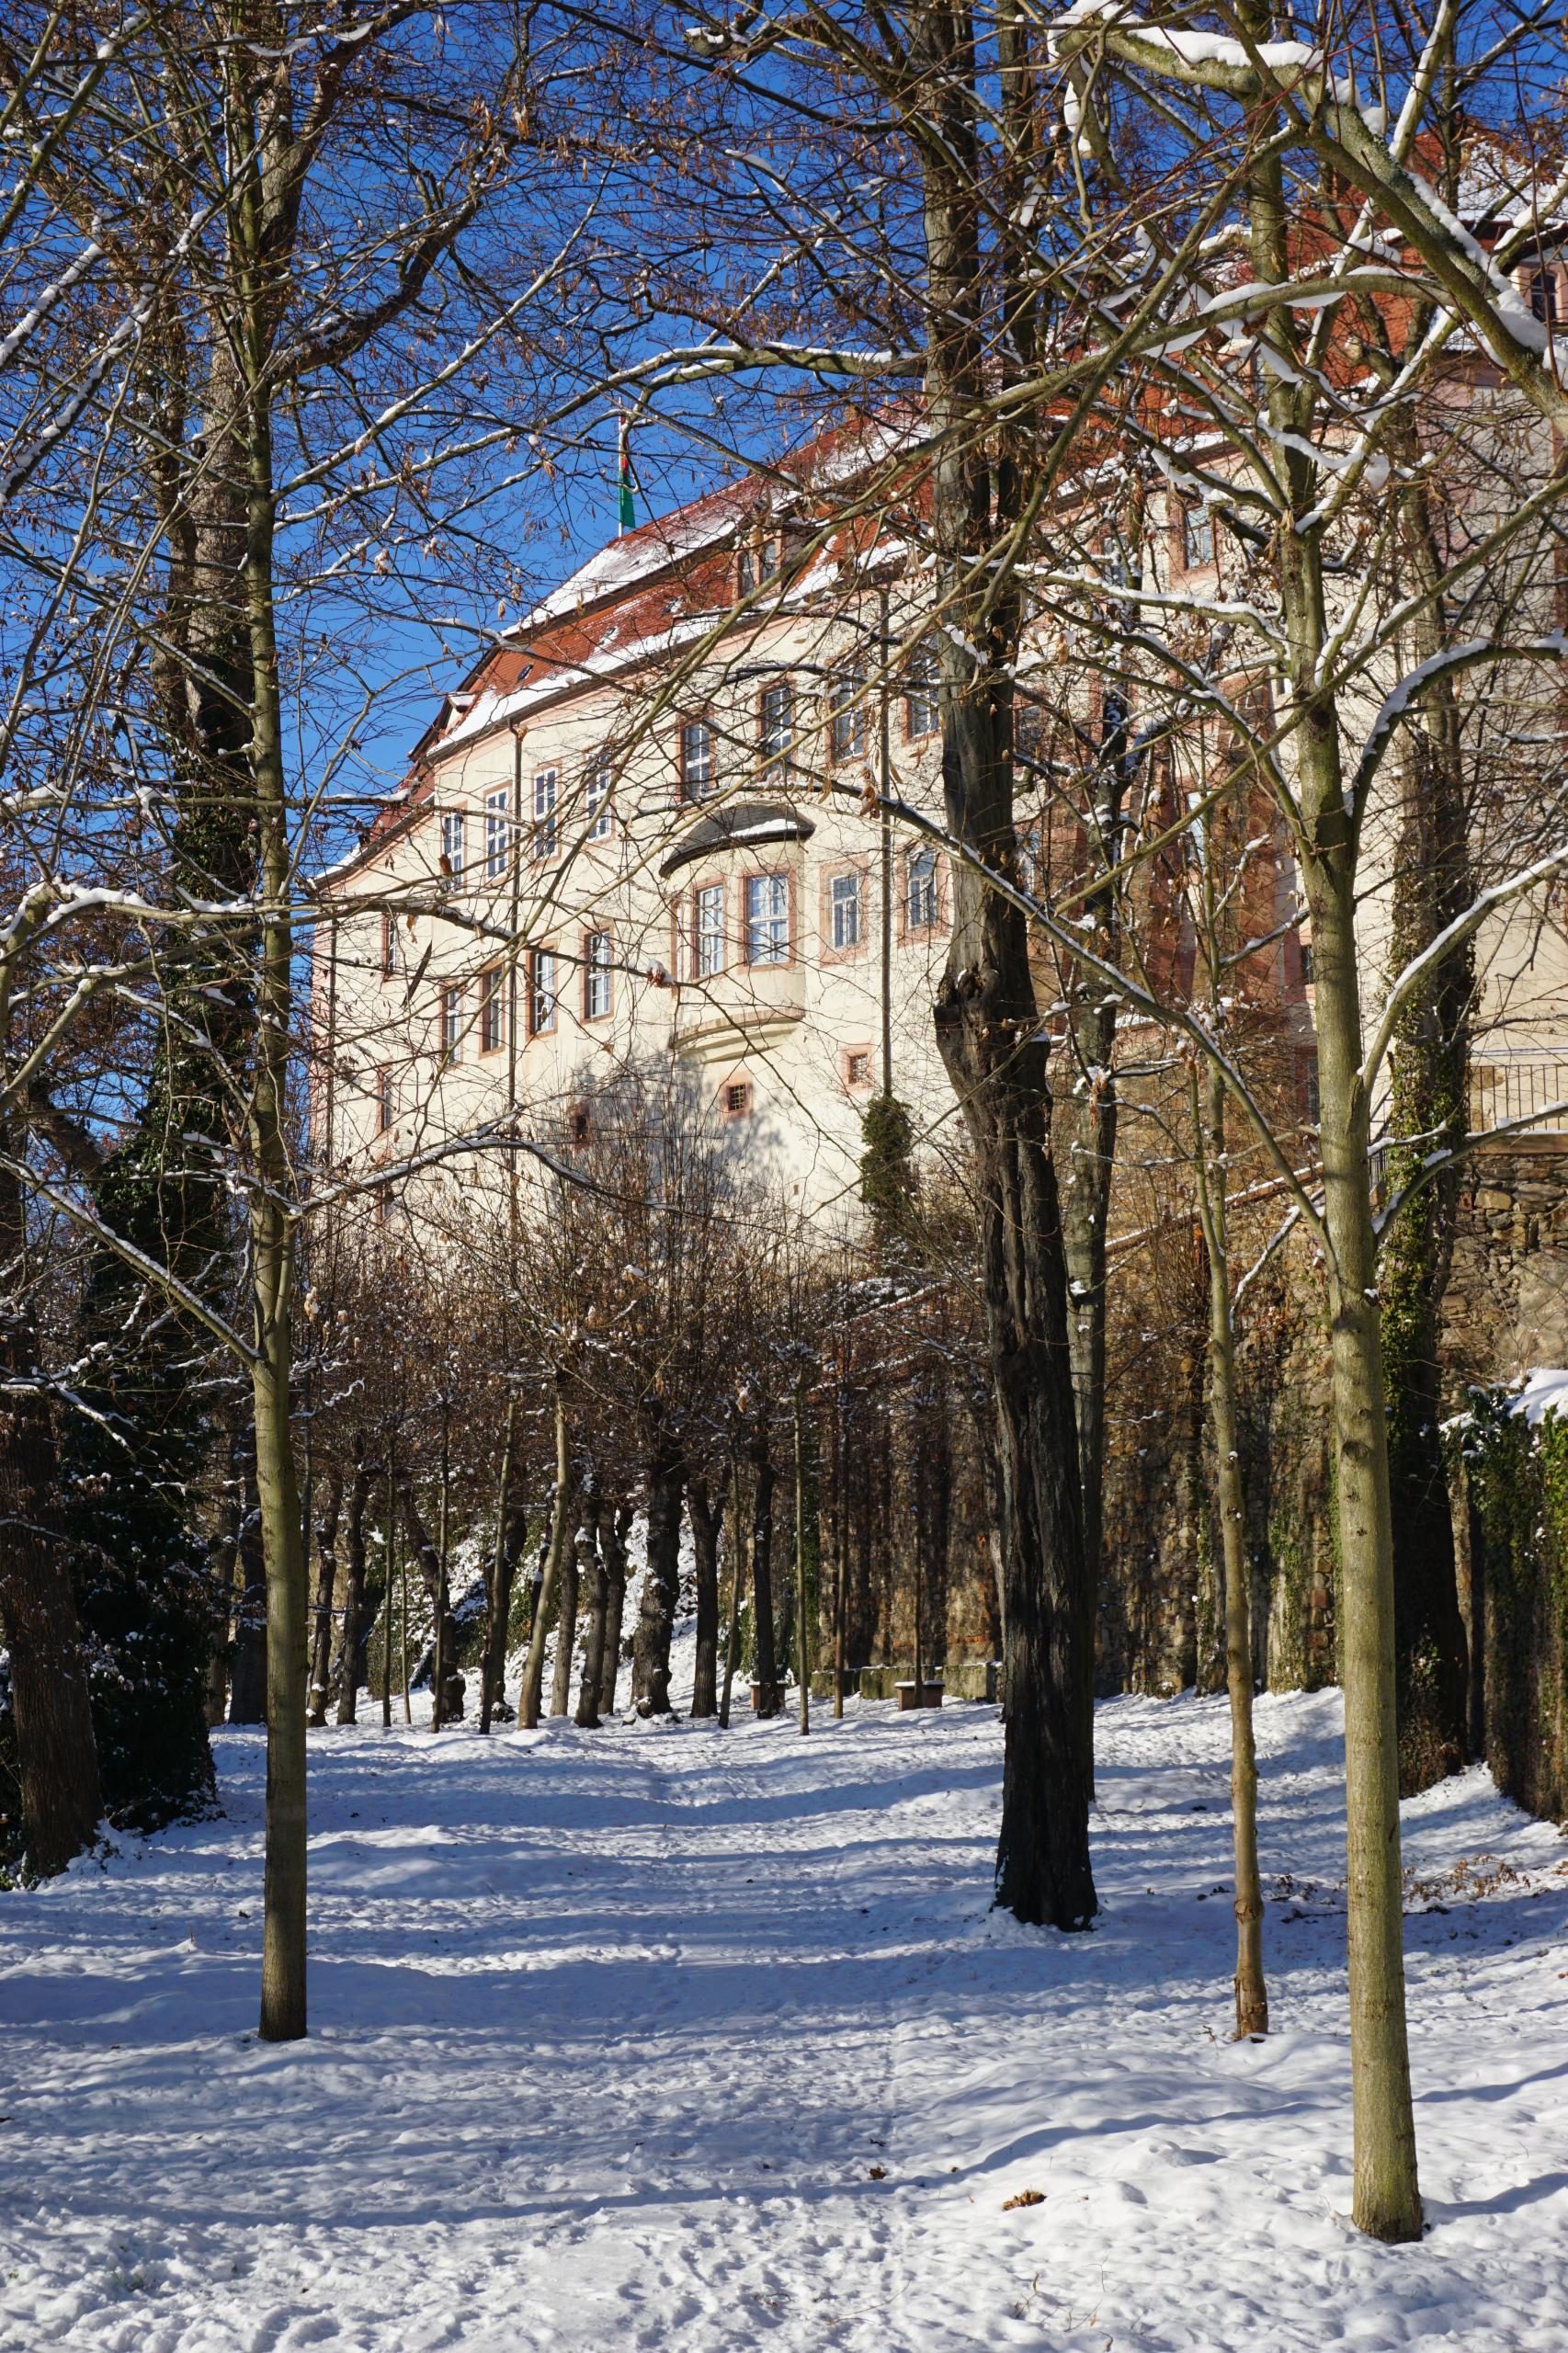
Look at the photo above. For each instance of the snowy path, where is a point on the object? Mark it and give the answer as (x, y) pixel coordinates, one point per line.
(658, 2038)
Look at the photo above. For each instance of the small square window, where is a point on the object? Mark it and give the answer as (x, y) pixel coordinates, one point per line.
(737, 1098)
(579, 1125)
(857, 1066)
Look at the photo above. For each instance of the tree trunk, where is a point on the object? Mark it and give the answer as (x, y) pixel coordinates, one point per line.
(737, 1589)
(762, 1580)
(595, 1588)
(354, 1591)
(1386, 2202)
(705, 1525)
(511, 1534)
(533, 1666)
(1428, 1105)
(800, 1552)
(445, 1682)
(247, 1685)
(661, 1587)
(1387, 2199)
(326, 1586)
(615, 1523)
(565, 1628)
(55, 1748)
(1252, 1997)
(989, 1034)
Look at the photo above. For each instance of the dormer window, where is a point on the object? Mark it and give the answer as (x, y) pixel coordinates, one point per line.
(1545, 292)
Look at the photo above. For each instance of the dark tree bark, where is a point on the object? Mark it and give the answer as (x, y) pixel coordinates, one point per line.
(56, 1753)
(326, 1586)
(1428, 1104)
(449, 1693)
(661, 1587)
(594, 1588)
(615, 1524)
(766, 1669)
(566, 1627)
(355, 1628)
(705, 1525)
(248, 1686)
(511, 1535)
(988, 1031)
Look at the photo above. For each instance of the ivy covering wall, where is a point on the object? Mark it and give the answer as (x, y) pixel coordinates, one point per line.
(1516, 1469)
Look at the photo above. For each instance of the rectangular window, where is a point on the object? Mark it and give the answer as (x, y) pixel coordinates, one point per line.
(745, 572)
(386, 1099)
(452, 1024)
(497, 835)
(492, 1011)
(1544, 302)
(920, 710)
(543, 991)
(777, 725)
(546, 828)
(598, 977)
(389, 945)
(1196, 537)
(857, 1066)
(737, 1098)
(920, 890)
(844, 912)
(597, 777)
(709, 930)
(767, 919)
(699, 769)
(452, 843)
(848, 716)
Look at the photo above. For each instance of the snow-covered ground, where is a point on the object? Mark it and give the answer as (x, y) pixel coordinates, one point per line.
(659, 2037)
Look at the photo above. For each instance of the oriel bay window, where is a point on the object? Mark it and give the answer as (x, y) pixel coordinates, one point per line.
(543, 991)
(767, 919)
(707, 930)
(598, 978)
